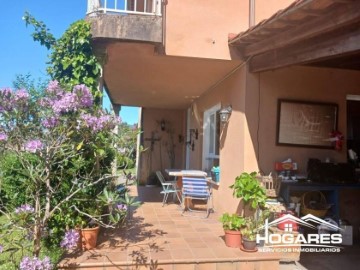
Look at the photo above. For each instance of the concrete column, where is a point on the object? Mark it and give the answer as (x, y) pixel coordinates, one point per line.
(116, 110)
(138, 143)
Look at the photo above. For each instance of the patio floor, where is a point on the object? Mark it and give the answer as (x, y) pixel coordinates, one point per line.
(159, 237)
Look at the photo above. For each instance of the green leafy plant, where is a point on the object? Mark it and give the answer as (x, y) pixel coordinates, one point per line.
(253, 225)
(72, 60)
(55, 148)
(248, 188)
(232, 222)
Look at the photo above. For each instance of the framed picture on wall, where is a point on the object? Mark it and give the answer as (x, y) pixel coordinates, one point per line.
(306, 124)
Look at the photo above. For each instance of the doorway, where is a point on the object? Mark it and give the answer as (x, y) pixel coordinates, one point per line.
(353, 127)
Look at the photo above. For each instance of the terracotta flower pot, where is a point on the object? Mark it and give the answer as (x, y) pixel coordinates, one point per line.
(89, 237)
(233, 239)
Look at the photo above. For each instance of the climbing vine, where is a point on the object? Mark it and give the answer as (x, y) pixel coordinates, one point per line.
(72, 60)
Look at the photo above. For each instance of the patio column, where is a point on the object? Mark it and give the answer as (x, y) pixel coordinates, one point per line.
(116, 110)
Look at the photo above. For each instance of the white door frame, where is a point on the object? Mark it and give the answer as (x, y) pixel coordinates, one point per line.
(206, 130)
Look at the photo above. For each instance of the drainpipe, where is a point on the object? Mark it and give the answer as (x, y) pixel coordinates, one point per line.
(251, 13)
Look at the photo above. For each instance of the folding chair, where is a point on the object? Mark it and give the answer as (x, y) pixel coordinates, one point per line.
(169, 187)
(196, 187)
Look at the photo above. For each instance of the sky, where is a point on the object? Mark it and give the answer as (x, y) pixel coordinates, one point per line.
(19, 54)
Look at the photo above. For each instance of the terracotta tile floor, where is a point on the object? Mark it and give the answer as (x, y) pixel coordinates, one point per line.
(157, 234)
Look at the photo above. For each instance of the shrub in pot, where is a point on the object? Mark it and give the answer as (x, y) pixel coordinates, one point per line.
(249, 234)
(232, 225)
(248, 188)
(253, 226)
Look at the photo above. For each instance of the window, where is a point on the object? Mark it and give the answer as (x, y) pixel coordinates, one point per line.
(211, 142)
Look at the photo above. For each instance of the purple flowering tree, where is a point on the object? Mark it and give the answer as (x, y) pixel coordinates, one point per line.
(63, 145)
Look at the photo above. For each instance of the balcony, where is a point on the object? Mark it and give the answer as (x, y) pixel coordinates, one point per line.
(125, 20)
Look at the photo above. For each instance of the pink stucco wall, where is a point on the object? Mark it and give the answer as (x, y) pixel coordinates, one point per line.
(158, 158)
(200, 28)
(248, 140)
(232, 138)
(299, 83)
(266, 8)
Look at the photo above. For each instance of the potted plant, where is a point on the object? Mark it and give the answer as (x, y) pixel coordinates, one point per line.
(253, 226)
(250, 191)
(108, 210)
(249, 234)
(248, 188)
(232, 225)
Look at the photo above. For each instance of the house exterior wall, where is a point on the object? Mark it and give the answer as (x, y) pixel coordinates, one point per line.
(158, 158)
(200, 28)
(298, 83)
(266, 8)
(250, 134)
(232, 135)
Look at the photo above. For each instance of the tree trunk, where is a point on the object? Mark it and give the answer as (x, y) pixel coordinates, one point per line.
(37, 227)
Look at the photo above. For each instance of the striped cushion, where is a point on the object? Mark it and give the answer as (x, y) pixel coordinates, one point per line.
(195, 187)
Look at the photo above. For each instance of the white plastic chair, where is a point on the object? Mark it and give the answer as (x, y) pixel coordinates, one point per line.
(169, 187)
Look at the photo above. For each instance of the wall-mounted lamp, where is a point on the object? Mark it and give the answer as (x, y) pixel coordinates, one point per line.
(225, 114)
(162, 125)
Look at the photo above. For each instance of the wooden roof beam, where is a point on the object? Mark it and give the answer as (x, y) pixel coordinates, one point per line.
(340, 43)
(344, 1)
(311, 12)
(335, 19)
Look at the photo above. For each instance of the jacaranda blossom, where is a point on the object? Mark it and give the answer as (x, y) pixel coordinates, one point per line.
(21, 95)
(54, 88)
(67, 103)
(70, 240)
(100, 123)
(1, 249)
(50, 122)
(35, 263)
(84, 95)
(24, 209)
(33, 145)
(121, 207)
(3, 136)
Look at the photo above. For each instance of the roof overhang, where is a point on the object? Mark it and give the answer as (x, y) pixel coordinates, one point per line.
(136, 74)
(316, 32)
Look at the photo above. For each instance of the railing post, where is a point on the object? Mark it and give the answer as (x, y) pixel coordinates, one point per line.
(153, 10)
(92, 6)
(151, 7)
(158, 7)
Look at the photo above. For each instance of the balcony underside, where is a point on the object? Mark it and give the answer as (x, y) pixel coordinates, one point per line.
(136, 75)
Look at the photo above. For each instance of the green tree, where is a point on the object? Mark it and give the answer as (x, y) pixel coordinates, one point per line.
(72, 60)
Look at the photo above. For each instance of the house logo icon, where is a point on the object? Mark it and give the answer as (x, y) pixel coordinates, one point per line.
(329, 237)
